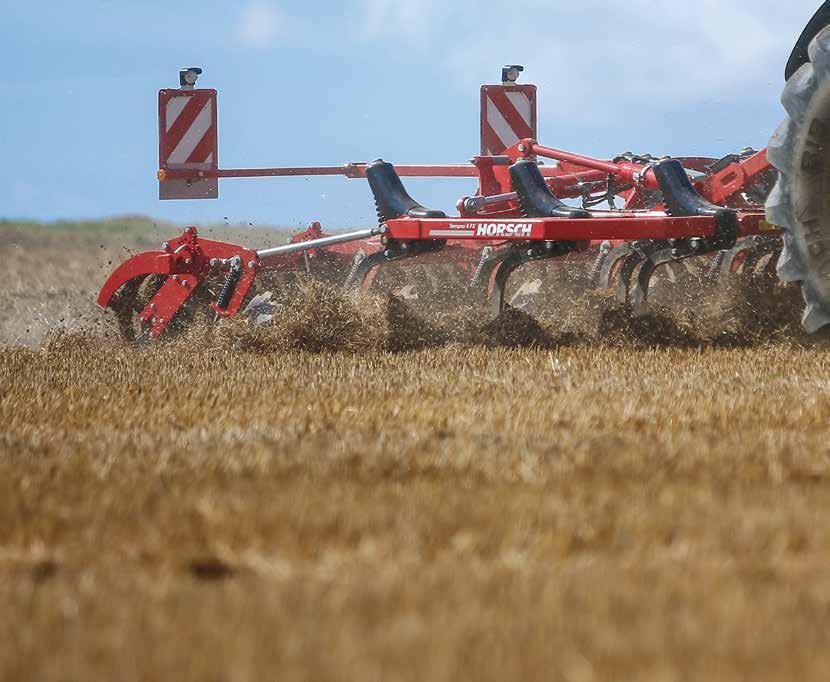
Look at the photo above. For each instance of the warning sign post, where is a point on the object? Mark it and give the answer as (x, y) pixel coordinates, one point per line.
(188, 141)
(189, 148)
(508, 114)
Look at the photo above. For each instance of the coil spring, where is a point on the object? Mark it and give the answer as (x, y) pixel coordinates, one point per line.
(599, 261)
(359, 257)
(486, 252)
(716, 265)
(229, 286)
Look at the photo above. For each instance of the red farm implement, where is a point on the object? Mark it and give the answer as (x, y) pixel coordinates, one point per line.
(659, 212)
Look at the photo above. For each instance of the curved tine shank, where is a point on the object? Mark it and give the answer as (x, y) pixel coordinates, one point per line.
(482, 281)
(611, 264)
(763, 260)
(364, 270)
(771, 268)
(639, 294)
(626, 272)
(737, 255)
(499, 278)
(768, 245)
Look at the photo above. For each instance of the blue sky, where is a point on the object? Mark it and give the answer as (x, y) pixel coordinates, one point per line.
(324, 82)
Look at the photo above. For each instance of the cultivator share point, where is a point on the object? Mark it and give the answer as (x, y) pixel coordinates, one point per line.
(626, 218)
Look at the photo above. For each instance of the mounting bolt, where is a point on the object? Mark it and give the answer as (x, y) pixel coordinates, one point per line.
(152, 306)
(675, 253)
(185, 283)
(251, 264)
(530, 252)
(165, 246)
(214, 262)
(187, 261)
(387, 253)
(175, 278)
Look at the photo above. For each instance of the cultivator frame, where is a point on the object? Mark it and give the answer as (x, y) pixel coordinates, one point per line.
(672, 209)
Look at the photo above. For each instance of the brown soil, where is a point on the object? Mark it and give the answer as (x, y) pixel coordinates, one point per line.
(365, 491)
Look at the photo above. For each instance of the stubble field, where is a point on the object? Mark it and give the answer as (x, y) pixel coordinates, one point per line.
(227, 507)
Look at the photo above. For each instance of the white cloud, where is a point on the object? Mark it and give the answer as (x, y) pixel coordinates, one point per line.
(260, 24)
(413, 21)
(601, 54)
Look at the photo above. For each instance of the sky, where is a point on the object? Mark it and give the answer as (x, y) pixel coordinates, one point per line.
(325, 82)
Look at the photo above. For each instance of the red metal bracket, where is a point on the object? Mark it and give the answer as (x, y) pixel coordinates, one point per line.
(186, 261)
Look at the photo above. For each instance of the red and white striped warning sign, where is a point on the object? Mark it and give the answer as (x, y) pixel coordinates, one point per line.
(188, 140)
(508, 114)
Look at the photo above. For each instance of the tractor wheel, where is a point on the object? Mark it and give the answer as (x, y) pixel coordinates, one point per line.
(800, 201)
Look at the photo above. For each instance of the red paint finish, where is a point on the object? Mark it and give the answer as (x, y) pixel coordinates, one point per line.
(186, 262)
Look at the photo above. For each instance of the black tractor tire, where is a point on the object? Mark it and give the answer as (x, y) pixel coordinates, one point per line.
(800, 201)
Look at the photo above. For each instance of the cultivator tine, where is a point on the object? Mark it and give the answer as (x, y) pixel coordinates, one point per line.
(260, 309)
(364, 270)
(771, 268)
(529, 289)
(626, 272)
(611, 264)
(505, 261)
(766, 251)
(639, 294)
(746, 258)
(492, 273)
(764, 260)
(748, 254)
(735, 258)
(639, 254)
(502, 273)
(483, 281)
